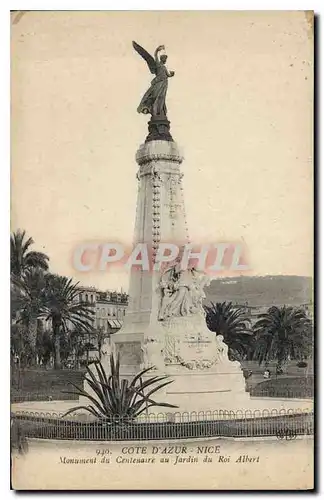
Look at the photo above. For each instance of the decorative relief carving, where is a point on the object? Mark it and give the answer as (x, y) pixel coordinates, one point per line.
(197, 364)
(183, 205)
(142, 159)
(181, 292)
(156, 207)
(195, 351)
(152, 354)
(172, 198)
(161, 168)
(168, 153)
(171, 349)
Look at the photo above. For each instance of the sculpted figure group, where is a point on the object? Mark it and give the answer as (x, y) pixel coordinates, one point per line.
(181, 292)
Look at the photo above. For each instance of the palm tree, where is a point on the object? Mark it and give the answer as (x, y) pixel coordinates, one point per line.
(233, 323)
(63, 309)
(21, 257)
(26, 269)
(282, 333)
(77, 348)
(28, 301)
(20, 349)
(45, 346)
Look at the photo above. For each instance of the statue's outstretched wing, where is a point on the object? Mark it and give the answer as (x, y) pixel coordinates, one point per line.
(148, 58)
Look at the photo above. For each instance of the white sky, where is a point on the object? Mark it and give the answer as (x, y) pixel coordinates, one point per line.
(240, 106)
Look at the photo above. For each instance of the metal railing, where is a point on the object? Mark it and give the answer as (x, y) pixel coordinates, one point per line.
(163, 426)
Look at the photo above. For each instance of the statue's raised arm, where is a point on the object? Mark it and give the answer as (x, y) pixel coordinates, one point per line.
(156, 53)
(153, 101)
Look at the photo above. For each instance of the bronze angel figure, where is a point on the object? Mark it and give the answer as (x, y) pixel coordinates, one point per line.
(153, 101)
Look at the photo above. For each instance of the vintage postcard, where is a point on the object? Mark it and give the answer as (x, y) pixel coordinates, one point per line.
(162, 250)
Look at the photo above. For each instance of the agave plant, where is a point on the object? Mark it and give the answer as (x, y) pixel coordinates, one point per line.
(116, 399)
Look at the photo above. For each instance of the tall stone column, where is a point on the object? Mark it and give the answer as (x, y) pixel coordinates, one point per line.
(160, 217)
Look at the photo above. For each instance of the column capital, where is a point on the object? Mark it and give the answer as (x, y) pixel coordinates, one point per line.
(158, 151)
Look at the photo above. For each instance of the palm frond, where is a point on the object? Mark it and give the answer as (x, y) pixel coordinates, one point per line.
(234, 324)
(282, 332)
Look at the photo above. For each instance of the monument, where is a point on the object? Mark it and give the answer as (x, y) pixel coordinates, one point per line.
(165, 325)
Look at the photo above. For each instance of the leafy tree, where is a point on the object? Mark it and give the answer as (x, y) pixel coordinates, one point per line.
(22, 258)
(63, 308)
(282, 333)
(233, 323)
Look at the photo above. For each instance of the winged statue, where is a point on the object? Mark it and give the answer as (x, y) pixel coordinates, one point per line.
(153, 101)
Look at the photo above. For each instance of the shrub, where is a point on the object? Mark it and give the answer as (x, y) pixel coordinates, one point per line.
(118, 399)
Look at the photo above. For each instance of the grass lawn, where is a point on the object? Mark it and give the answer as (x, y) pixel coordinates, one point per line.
(291, 370)
(286, 387)
(41, 384)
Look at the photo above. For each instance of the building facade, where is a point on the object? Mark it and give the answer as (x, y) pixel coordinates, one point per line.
(109, 311)
(109, 307)
(255, 311)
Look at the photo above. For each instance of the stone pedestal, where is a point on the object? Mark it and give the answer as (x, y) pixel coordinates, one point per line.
(159, 129)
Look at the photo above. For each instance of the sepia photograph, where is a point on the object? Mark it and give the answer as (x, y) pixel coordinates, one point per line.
(161, 250)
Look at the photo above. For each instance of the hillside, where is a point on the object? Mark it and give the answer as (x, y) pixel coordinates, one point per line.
(261, 290)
